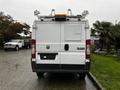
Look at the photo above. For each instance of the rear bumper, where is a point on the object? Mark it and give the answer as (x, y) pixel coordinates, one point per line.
(60, 67)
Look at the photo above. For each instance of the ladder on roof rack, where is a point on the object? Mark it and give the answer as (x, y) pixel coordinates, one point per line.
(59, 16)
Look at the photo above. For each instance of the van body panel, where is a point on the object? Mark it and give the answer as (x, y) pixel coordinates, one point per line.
(53, 36)
(73, 34)
(72, 58)
(60, 46)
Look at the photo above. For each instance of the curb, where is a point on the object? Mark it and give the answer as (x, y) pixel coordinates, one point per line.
(95, 82)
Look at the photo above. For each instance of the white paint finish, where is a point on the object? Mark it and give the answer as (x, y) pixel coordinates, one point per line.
(87, 30)
(56, 35)
(73, 32)
(42, 47)
(72, 58)
(34, 30)
(48, 32)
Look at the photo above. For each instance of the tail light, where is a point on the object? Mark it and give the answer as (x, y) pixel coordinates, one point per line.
(33, 48)
(88, 43)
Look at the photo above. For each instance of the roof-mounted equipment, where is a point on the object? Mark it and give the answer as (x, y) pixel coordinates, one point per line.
(61, 16)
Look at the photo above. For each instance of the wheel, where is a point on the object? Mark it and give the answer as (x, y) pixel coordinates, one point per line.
(5, 49)
(40, 74)
(82, 75)
(17, 48)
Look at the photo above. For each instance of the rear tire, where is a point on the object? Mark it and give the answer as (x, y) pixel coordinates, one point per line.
(5, 49)
(82, 75)
(40, 74)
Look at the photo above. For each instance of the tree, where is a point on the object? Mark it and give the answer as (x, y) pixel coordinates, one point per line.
(9, 28)
(117, 36)
(105, 32)
(5, 21)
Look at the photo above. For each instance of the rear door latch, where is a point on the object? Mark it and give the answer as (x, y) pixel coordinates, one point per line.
(66, 47)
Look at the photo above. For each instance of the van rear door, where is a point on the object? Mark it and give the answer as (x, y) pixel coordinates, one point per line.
(72, 43)
(48, 38)
(60, 43)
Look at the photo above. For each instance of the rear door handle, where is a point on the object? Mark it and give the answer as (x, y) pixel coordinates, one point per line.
(66, 47)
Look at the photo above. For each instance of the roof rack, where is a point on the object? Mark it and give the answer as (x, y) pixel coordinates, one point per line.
(61, 16)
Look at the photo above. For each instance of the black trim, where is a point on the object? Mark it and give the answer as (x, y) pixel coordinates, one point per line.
(48, 66)
(47, 56)
(63, 71)
(60, 67)
(72, 67)
(88, 66)
(60, 18)
(33, 65)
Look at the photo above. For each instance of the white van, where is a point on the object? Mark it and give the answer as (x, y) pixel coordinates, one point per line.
(60, 43)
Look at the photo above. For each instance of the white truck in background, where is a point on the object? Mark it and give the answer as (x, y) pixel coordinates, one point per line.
(61, 43)
(17, 44)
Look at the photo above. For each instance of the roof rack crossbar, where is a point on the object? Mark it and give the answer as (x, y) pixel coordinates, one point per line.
(47, 17)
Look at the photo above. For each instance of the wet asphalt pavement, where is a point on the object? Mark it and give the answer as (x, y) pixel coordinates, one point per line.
(16, 74)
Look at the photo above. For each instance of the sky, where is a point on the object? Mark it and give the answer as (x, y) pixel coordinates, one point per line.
(22, 10)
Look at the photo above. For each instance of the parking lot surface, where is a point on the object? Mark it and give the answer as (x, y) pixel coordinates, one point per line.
(16, 74)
